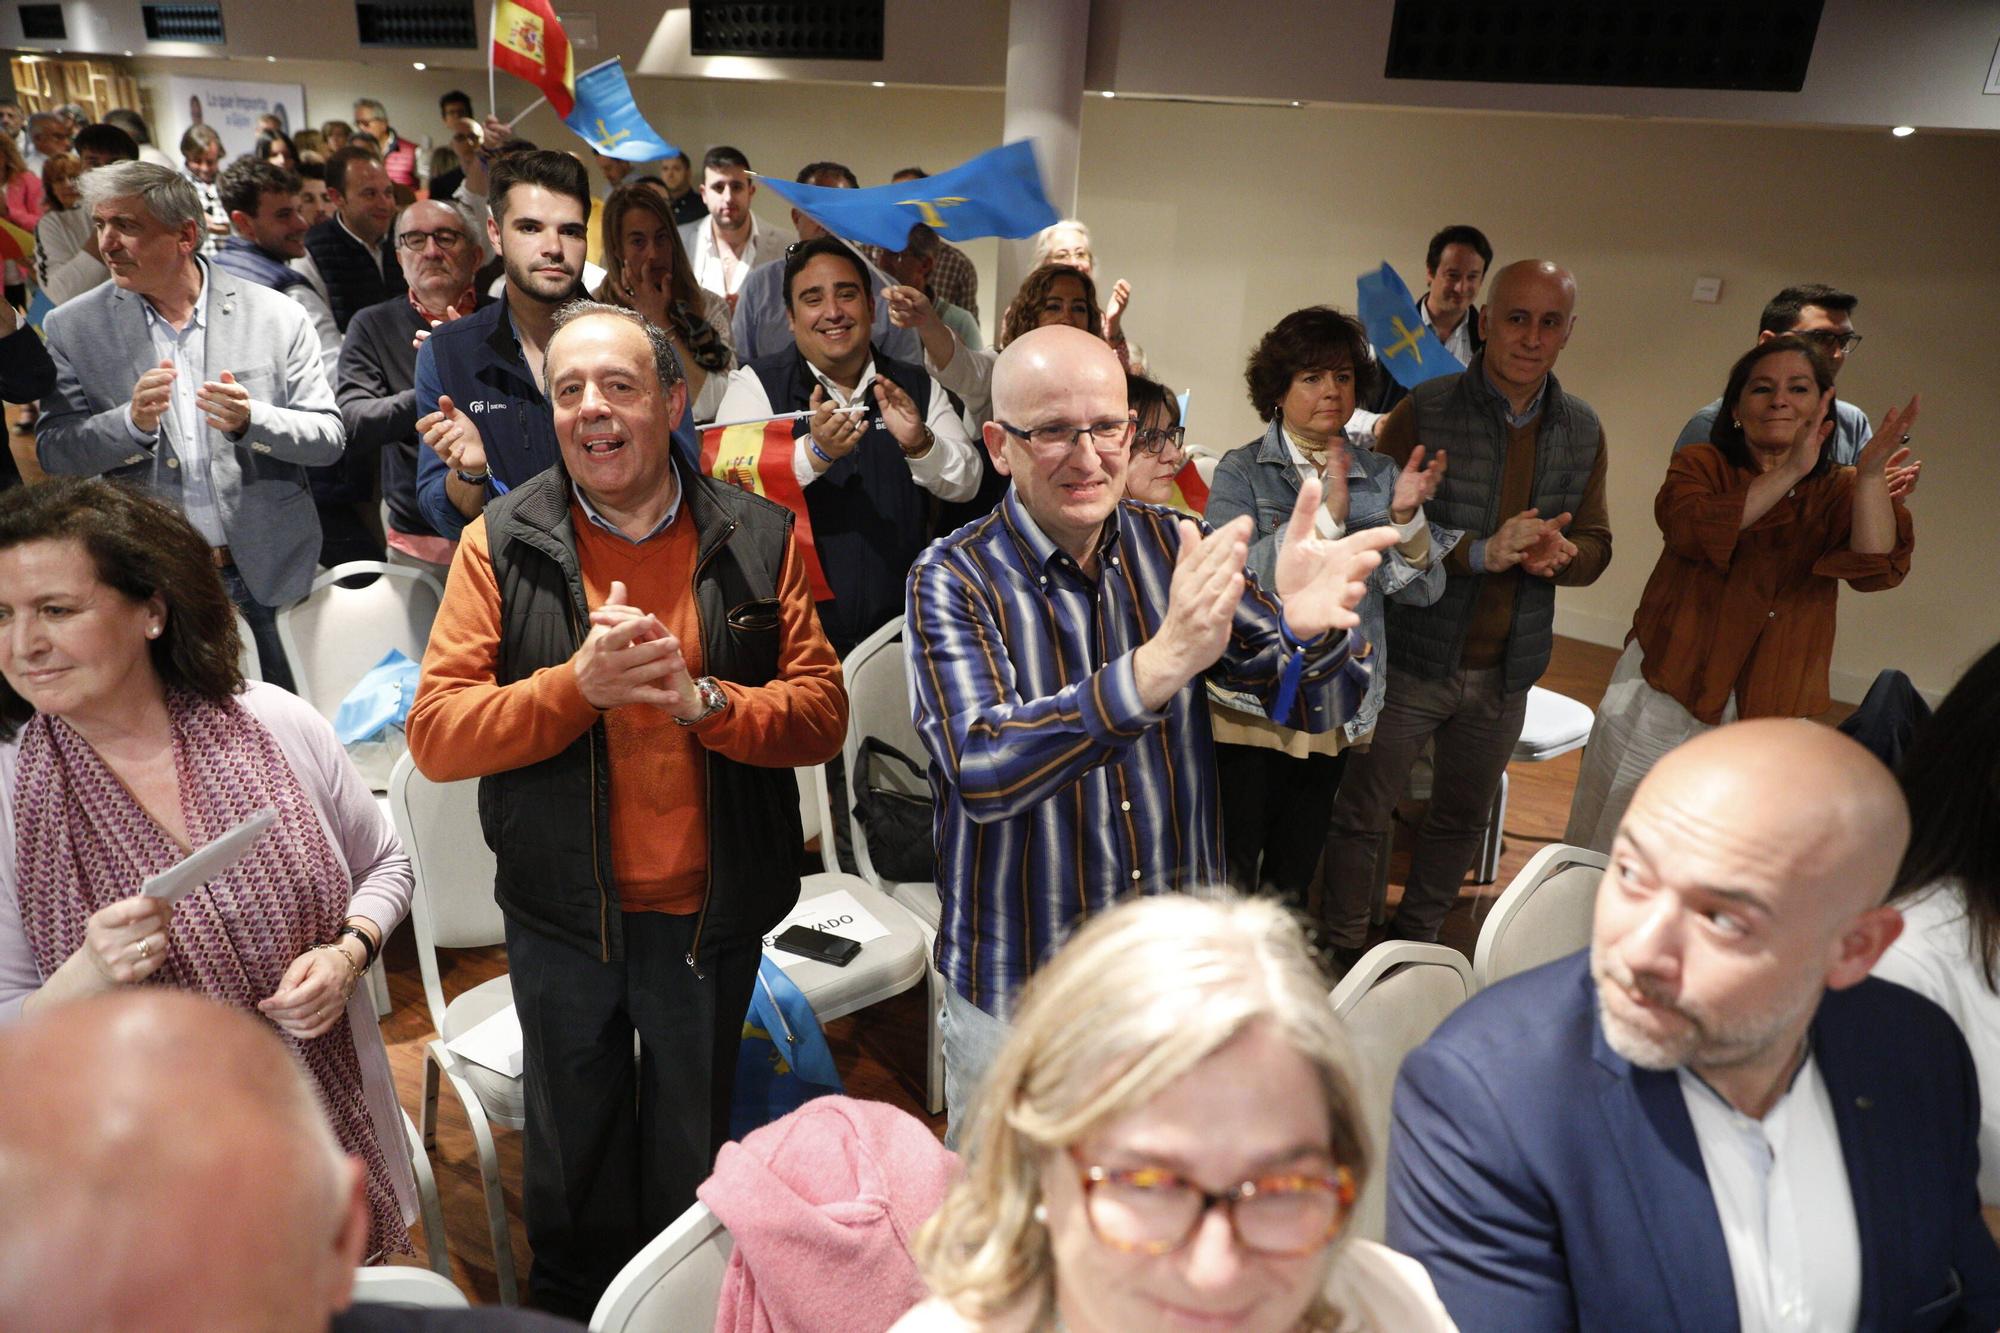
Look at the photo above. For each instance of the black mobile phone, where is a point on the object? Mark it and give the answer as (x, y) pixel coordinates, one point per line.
(816, 945)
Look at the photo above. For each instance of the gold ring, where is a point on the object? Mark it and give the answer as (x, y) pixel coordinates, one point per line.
(145, 948)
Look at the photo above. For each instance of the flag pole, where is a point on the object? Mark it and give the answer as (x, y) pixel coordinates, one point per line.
(524, 111)
(492, 36)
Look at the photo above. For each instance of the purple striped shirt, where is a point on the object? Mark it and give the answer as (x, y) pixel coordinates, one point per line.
(1056, 792)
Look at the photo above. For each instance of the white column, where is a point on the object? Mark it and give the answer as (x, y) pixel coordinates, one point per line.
(1046, 42)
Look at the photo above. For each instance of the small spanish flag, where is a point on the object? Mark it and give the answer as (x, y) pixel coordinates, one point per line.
(529, 44)
(15, 244)
(757, 455)
(1190, 491)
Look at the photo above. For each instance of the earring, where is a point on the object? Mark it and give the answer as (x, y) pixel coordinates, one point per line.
(1042, 1214)
(152, 631)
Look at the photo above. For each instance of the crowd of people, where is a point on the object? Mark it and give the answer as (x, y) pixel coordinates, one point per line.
(1140, 670)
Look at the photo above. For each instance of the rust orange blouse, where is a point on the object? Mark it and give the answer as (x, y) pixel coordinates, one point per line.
(1752, 610)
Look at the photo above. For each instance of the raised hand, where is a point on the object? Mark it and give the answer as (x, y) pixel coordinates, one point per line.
(628, 657)
(450, 434)
(1320, 582)
(225, 403)
(1114, 309)
(1518, 536)
(1881, 451)
(834, 429)
(909, 308)
(1207, 585)
(1415, 484)
(151, 395)
(651, 294)
(421, 336)
(900, 416)
(1333, 484)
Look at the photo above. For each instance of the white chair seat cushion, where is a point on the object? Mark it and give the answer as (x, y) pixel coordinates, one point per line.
(920, 899)
(502, 1097)
(1555, 724)
(884, 967)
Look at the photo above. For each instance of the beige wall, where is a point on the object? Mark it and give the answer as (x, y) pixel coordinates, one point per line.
(1225, 217)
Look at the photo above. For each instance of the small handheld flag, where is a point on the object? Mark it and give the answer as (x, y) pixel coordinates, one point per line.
(18, 244)
(608, 119)
(998, 193)
(1404, 344)
(757, 455)
(1190, 491)
(529, 44)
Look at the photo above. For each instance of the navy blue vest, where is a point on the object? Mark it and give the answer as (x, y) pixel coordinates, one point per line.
(243, 257)
(353, 281)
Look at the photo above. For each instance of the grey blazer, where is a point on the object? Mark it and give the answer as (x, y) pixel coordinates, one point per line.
(100, 347)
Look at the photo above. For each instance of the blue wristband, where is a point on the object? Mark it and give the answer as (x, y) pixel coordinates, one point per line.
(818, 452)
(1289, 678)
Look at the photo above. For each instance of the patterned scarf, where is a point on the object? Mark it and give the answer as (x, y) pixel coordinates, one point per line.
(84, 843)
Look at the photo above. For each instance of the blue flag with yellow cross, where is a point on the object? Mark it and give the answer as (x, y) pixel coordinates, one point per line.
(998, 193)
(1404, 344)
(607, 118)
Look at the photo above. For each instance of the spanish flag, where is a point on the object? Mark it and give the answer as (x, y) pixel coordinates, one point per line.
(1190, 491)
(529, 44)
(757, 455)
(15, 244)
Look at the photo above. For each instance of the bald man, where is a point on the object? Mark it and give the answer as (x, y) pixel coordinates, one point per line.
(1059, 648)
(165, 1165)
(1713, 1118)
(1529, 497)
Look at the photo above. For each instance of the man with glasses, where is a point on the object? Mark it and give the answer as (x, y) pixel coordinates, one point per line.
(401, 158)
(376, 384)
(1059, 649)
(1823, 316)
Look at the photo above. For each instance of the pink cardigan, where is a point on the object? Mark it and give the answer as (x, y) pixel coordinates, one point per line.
(822, 1205)
(23, 195)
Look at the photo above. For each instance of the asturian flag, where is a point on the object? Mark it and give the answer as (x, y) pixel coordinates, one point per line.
(529, 44)
(1404, 344)
(998, 193)
(608, 119)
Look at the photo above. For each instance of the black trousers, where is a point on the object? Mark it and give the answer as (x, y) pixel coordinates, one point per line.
(615, 1147)
(1274, 815)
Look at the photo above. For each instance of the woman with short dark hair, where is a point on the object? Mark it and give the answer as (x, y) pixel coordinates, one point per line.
(1737, 620)
(130, 739)
(1277, 785)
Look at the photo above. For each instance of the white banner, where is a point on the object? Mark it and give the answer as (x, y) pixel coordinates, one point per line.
(229, 107)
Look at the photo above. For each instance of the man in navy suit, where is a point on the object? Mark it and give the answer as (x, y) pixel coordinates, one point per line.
(1713, 1120)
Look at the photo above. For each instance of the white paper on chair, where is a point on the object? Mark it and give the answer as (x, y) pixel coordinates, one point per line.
(494, 1042)
(836, 913)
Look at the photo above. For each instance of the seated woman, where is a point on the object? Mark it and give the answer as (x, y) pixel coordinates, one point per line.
(1277, 785)
(1170, 1137)
(130, 739)
(65, 226)
(1737, 619)
(1949, 886)
(1159, 444)
(647, 270)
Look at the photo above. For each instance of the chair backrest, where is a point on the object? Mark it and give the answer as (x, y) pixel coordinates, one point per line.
(1545, 914)
(336, 634)
(675, 1282)
(1390, 1003)
(452, 906)
(878, 705)
(812, 796)
(407, 1286)
(247, 660)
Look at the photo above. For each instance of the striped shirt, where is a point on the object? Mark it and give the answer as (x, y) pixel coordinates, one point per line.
(1056, 792)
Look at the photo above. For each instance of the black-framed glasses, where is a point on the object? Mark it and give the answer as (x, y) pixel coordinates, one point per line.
(1109, 436)
(1151, 1210)
(1830, 340)
(1159, 439)
(448, 239)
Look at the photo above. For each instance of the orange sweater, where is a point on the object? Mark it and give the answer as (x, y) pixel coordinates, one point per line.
(464, 724)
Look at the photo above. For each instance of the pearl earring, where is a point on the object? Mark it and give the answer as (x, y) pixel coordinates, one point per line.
(152, 631)
(1042, 1214)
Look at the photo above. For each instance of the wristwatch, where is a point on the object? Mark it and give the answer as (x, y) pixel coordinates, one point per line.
(471, 478)
(713, 701)
(930, 438)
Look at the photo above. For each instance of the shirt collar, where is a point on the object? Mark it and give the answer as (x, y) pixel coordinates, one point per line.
(834, 391)
(599, 521)
(1041, 548)
(375, 249)
(198, 320)
(1514, 418)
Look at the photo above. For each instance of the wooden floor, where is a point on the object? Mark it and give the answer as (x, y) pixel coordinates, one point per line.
(880, 1050)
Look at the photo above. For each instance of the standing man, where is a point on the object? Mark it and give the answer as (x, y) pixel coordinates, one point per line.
(201, 163)
(402, 160)
(615, 170)
(1824, 317)
(634, 781)
(350, 259)
(727, 244)
(1714, 1118)
(376, 386)
(1058, 649)
(953, 277)
(481, 408)
(677, 174)
(870, 476)
(269, 222)
(762, 325)
(1455, 265)
(198, 386)
(455, 110)
(915, 265)
(1526, 486)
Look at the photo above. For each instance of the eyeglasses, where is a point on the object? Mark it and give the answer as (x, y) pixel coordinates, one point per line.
(448, 239)
(1150, 1210)
(1108, 436)
(1159, 439)
(1830, 340)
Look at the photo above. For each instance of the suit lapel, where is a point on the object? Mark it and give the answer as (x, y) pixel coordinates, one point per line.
(1653, 1136)
(1852, 1090)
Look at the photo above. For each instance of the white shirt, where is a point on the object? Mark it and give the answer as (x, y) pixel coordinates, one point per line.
(1459, 344)
(187, 348)
(724, 276)
(950, 471)
(1781, 1190)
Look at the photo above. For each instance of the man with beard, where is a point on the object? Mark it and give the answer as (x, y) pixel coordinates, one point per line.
(1714, 1118)
(481, 405)
(269, 221)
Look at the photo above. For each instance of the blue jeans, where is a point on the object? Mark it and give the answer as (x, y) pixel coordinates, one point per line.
(271, 660)
(971, 1039)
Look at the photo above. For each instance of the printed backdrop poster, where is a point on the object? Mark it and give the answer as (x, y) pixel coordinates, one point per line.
(230, 107)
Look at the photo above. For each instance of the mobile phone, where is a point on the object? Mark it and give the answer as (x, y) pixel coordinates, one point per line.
(816, 945)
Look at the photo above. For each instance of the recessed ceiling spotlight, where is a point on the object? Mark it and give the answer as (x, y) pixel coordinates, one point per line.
(1904, 131)
(418, 65)
(877, 83)
(1107, 93)
(1298, 104)
(270, 60)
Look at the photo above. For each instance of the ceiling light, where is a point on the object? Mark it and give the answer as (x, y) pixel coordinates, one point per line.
(418, 65)
(1904, 131)
(1298, 104)
(270, 60)
(1107, 93)
(877, 83)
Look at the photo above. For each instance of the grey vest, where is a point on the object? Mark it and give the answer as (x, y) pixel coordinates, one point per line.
(1464, 416)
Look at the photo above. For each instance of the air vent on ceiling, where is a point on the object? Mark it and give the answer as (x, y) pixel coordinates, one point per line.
(43, 23)
(184, 23)
(451, 24)
(1725, 44)
(799, 30)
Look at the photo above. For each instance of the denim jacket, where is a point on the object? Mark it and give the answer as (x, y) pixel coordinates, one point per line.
(1261, 480)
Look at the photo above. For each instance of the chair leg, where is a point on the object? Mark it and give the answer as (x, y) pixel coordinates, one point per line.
(429, 1111)
(378, 990)
(1489, 847)
(427, 1201)
(934, 1046)
(489, 1180)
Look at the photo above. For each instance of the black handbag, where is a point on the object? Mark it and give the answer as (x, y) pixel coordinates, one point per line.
(898, 824)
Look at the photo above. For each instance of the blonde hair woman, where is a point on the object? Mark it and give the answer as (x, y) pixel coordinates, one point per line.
(1171, 1135)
